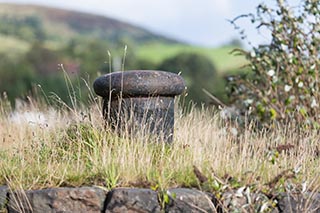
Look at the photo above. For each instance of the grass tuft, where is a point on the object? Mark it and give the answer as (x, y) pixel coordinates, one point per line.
(72, 147)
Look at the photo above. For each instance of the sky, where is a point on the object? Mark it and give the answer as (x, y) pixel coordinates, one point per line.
(198, 22)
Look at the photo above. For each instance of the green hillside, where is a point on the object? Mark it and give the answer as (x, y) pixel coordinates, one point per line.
(23, 24)
(221, 57)
(62, 25)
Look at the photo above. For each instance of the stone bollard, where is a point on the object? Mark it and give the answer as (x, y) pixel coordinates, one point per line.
(140, 101)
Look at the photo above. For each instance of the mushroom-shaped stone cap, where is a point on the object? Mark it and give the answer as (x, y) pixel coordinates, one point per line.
(139, 83)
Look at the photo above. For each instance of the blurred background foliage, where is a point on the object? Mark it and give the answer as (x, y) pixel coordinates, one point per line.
(35, 41)
(198, 72)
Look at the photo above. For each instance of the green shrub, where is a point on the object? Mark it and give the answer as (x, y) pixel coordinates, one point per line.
(284, 83)
(197, 70)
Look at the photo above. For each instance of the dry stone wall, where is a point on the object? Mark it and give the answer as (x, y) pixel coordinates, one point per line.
(96, 199)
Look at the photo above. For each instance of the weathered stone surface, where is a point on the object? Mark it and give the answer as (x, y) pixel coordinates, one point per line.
(3, 196)
(132, 200)
(139, 83)
(306, 202)
(189, 200)
(140, 100)
(147, 115)
(94, 199)
(84, 199)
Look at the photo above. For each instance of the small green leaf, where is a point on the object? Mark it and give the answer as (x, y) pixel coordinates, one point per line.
(273, 113)
(174, 195)
(216, 185)
(273, 160)
(154, 188)
(303, 111)
(166, 198)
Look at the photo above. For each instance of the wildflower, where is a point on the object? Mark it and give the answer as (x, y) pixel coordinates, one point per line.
(253, 54)
(248, 101)
(304, 186)
(313, 67)
(271, 73)
(300, 85)
(274, 79)
(314, 103)
(234, 131)
(287, 88)
(290, 56)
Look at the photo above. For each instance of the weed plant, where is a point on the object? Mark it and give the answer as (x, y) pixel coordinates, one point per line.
(283, 85)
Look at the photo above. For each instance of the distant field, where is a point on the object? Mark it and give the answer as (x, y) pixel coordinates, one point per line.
(13, 47)
(221, 57)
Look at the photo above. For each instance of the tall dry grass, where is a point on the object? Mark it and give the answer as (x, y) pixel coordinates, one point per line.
(72, 147)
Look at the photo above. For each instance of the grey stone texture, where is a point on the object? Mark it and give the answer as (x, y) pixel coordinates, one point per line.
(95, 199)
(135, 83)
(189, 200)
(84, 199)
(4, 190)
(132, 200)
(140, 101)
(142, 115)
(297, 202)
